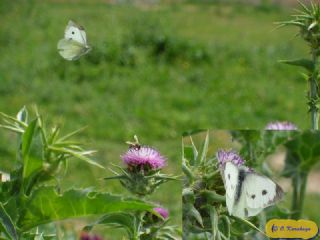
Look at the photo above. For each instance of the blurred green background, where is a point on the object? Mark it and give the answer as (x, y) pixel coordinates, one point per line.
(157, 68)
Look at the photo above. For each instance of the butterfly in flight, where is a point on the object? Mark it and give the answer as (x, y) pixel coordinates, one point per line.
(74, 44)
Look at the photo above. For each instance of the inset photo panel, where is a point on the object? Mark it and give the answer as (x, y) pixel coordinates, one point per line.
(235, 181)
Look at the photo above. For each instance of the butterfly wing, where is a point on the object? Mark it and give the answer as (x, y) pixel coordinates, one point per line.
(71, 50)
(76, 33)
(260, 192)
(230, 177)
(239, 208)
(248, 193)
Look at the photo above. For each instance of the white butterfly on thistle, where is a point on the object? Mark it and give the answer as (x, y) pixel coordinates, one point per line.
(247, 192)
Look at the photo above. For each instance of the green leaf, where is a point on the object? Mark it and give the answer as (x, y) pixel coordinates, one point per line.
(76, 154)
(205, 148)
(64, 138)
(7, 224)
(124, 220)
(27, 137)
(31, 154)
(195, 214)
(187, 155)
(13, 121)
(194, 152)
(249, 224)
(13, 129)
(303, 152)
(305, 63)
(212, 196)
(214, 218)
(37, 236)
(189, 152)
(46, 205)
(188, 195)
(188, 173)
(224, 226)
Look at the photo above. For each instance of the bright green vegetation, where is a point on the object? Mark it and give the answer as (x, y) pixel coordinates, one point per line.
(203, 195)
(154, 71)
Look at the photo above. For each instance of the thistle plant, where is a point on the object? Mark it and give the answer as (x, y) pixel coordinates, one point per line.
(142, 172)
(204, 211)
(307, 20)
(205, 215)
(141, 176)
(30, 193)
(87, 236)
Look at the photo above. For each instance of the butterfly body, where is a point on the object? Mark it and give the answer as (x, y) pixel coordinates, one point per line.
(74, 44)
(247, 192)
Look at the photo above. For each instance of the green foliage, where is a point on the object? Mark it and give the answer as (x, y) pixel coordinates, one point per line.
(6, 224)
(46, 205)
(257, 145)
(204, 216)
(204, 211)
(305, 63)
(143, 226)
(117, 89)
(141, 182)
(42, 154)
(307, 20)
(32, 197)
(302, 155)
(299, 162)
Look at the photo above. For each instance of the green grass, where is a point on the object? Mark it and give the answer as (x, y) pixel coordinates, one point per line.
(154, 71)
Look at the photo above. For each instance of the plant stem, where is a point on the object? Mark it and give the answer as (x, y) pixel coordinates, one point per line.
(300, 181)
(303, 186)
(137, 222)
(314, 93)
(299, 190)
(295, 195)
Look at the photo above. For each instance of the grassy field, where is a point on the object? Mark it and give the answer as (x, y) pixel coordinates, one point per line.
(154, 71)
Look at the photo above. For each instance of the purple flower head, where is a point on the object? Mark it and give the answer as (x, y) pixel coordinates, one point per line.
(144, 156)
(285, 126)
(163, 212)
(228, 156)
(96, 237)
(87, 236)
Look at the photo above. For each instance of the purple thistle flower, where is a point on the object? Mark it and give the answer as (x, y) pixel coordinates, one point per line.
(86, 236)
(228, 156)
(96, 237)
(163, 212)
(144, 156)
(285, 126)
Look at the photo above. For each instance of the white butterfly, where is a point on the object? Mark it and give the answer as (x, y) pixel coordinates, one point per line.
(247, 192)
(74, 44)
